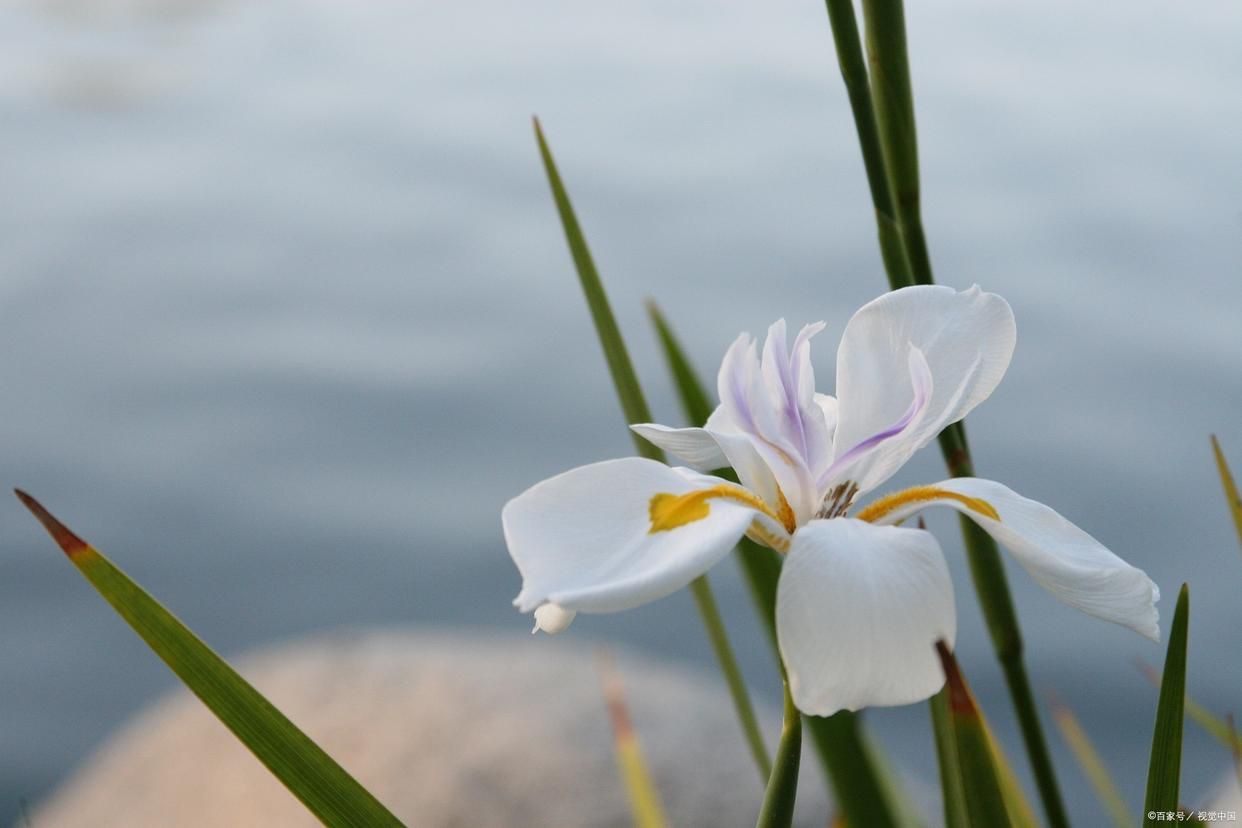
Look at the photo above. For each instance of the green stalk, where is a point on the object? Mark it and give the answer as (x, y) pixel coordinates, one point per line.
(778, 800)
(634, 406)
(854, 73)
(705, 600)
(856, 779)
(887, 135)
(952, 793)
(893, 99)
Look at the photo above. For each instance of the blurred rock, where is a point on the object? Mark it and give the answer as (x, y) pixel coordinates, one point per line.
(447, 730)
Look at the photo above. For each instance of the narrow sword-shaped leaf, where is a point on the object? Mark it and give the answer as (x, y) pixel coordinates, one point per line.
(857, 781)
(1092, 765)
(634, 406)
(1231, 488)
(1164, 770)
(309, 773)
(982, 797)
(890, 155)
(640, 787)
(778, 800)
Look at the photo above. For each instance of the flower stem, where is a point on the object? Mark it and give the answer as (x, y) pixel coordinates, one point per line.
(882, 101)
(634, 406)
(705, 600)
(778, 801)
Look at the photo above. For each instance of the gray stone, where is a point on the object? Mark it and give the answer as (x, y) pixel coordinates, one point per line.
(447, 730)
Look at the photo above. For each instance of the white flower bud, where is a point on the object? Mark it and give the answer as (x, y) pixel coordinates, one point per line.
(552, 619)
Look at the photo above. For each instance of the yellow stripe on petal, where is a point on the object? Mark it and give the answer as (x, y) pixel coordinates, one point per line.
(669, 511)
(923, 494)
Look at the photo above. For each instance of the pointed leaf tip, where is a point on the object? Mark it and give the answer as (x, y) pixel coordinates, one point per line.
(70, 543)
(960, 701)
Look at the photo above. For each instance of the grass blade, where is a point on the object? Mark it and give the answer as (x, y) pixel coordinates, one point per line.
(1230, 487)
(322, 785)
(857, 781)
(1164, 771)
(1092, 765)
(778, 800)
(640, 788)
(634, 407)
(629, 392)
(982, 797)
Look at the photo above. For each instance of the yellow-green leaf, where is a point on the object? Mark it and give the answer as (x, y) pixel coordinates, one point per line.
(1230, 487)
(640, 787)
(1092, 765)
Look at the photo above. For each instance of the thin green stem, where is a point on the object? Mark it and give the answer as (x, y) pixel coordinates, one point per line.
(778, 801)
(710, 613)
(634, 406)
(857, 86)
(952, 795)
(887, 135)
(893, 99)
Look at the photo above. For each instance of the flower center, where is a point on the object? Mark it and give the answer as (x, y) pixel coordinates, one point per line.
(921, 494)
(838, 500)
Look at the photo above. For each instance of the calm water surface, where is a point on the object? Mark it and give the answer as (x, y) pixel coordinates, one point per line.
(285, 313)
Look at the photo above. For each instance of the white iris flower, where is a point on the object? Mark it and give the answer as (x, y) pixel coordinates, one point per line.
(860, 601)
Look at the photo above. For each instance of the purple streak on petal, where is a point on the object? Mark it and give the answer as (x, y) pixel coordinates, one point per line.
(731, 385)
(916, 405)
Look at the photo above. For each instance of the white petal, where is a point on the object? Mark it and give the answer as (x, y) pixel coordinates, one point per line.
(584, 539)
(1061, 557)
(553, 619)
(693, 446)
(828, 406)
(859, 609)
(761, 400)
(967, 339)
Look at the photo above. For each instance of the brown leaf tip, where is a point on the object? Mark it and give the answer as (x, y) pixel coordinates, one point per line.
(64, 537)
(960, 701)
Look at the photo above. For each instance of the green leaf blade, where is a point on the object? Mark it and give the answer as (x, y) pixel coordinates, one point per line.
(634, 406)
(983, 796)
(1164, 770)
(630, 393)
(310, 774)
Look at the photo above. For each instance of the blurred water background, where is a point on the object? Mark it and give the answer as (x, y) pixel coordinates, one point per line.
(286, 314)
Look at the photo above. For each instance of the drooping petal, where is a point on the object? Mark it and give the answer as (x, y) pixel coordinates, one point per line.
(617, 534)
(1060, 556)
(859, 608)
(967, 338)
